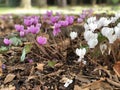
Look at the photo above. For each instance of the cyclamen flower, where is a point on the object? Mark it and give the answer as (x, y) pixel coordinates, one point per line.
(31, 20)
(34, 29)
(117, 31)
(68, 82)
(70, 19)
(91, 20)
(92, 43)
(49, 13)
(27, 22)
(91, 38)
(79, 20)
(109, 33)
(7, 41)
(92, 26)
(54, 19)
(41, 40)
(88, 35)
(73, 35)
(81, 53)
(19, 27)
(56, 29)
(82, 16)
(63, 23)
(22, 33)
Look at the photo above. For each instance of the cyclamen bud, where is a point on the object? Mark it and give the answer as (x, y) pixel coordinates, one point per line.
(22, 33)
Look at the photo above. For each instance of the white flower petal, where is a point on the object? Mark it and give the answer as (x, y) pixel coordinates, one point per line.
(68, 82)
(73, 35)
(92, 43)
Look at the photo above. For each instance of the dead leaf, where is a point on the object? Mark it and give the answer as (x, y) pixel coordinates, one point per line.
(1, 58)
(76, 87)
(31, 77)
(97, 85)
(0, 68)
(10, 87)
(40, 66)
(116, 68)
(9, 78)
(64, 79)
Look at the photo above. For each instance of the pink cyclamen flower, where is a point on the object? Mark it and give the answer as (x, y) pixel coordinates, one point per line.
(7, 41)
(19, 27)
(30, 60)
(56, 31)
(41, 40)
(22, 33)
(70, 19)
(34, 29)
(79, 20)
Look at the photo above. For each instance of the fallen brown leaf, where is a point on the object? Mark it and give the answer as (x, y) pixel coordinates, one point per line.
(0, 68)
(76, 87)
(10, 87)
(9, 78)
(31, 77)
(116, 68)
(40, 66)
(1, 57)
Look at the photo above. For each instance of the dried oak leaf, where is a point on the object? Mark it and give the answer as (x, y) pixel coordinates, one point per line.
(40, 66)
(116, 68)
(9, 78)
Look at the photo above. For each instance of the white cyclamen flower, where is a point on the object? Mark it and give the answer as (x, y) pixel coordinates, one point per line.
(73, 35)
(92, 43)
(91, 20)
(81, 53)
(117, 31)
(113, 19)
(109, 33)
(68, 82)
(86, 27)
(106, 22)
(117, 15)
(88, 35)
(92, 26)
(103, 22)
(118, 25)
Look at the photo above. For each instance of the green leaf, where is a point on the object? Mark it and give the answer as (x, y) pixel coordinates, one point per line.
(51, 63)
(85, 46)
(23, 55)
(3, 49)
(26, 49)
(101, 37)
(16, 41)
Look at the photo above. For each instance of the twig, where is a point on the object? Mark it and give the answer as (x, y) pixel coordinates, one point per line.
(113, 82)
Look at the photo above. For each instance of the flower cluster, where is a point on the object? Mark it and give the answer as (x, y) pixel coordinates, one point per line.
(84, 14)
(31, 25)
(89, 34)
(93, 24)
